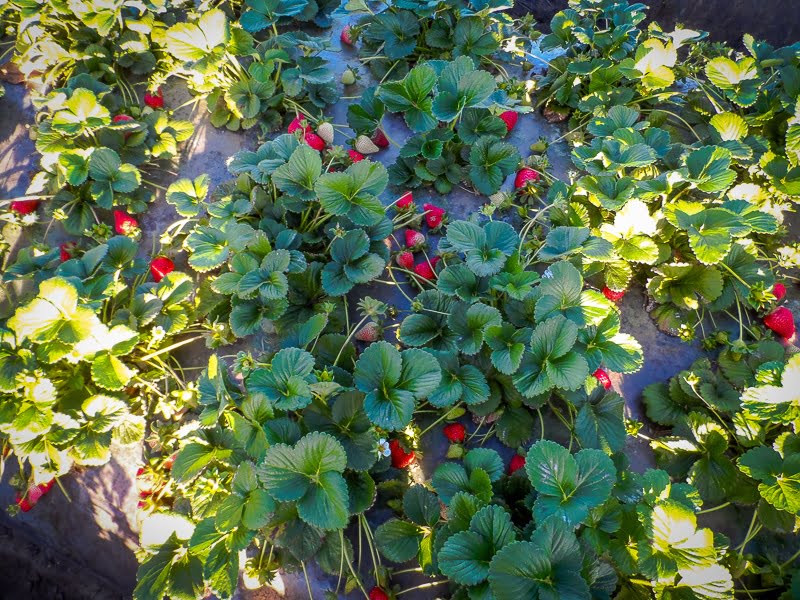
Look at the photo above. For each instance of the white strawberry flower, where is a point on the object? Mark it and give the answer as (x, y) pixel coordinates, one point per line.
(383, 447)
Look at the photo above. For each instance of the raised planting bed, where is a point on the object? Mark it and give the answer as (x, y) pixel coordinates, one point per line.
(406, 300)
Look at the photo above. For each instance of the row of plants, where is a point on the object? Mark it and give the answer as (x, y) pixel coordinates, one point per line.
(286, 456)
(686, 158)
(86, 354)
(98, 366)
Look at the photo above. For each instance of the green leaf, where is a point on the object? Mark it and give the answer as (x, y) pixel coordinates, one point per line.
(729, 126)
(685, 285)
(421, 506)
(551, 361)
(486, 248)
(486, 459)
(187, 196)
(462, 87)
(394, 382)
(779, 477)
(491, 162)
(310, 473)
(776, 403)
(354, 192)
(191, 460)
(209, 248)
(600, 423)
(398, 540)
(469, 325)
(548, 566)
(674, 541)
(110, 373)
(81, 112)
(709, 169)
(411, 97)
(739, 80)
(568, 486)
(471, 38)
(199, 41)
(508, 345)
(286, 383)
(299, 175)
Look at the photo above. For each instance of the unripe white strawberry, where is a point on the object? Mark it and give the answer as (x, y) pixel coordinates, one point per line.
(325, 131)
(364, 145)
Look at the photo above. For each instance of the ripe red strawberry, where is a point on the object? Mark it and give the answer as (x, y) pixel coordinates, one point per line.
(313, 140)
(400, 458)
(405, 201)
(414, 238)
(405, 259)
(297, 123)
(612, 295)
(379, 139)
(66, 250)
(24, 207)
(355, 156)
(124, 224)
(368, 333)
(161, 266)
(377, 593)
(455, 432)
(345, 36)
(603, 378)
(425, 271)
(35, 493)
(46, 487)
(510, 119)
(124, 119)
(517, 462)
(154, 100)
(779, 291)
(24, 504)
(781, 321)
(433, 215)
(524, 175)
(170, 461)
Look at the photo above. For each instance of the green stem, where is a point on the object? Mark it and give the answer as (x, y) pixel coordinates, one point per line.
(308, 583)
(439, 420)
(715, 508)
(171, 347)
(350, 566)
(422, 587)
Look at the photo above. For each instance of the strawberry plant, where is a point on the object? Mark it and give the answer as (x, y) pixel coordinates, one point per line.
(283, 74)
(457, 137)
(83, 361)
(395, 40)
(730, 436)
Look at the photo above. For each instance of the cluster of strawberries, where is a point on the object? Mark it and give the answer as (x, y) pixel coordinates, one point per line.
(456, 434)
(526, 176)
(154, 101)
(323, 137)
(125, 224)
(415, 240)
(146, 484)
(27, 501)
